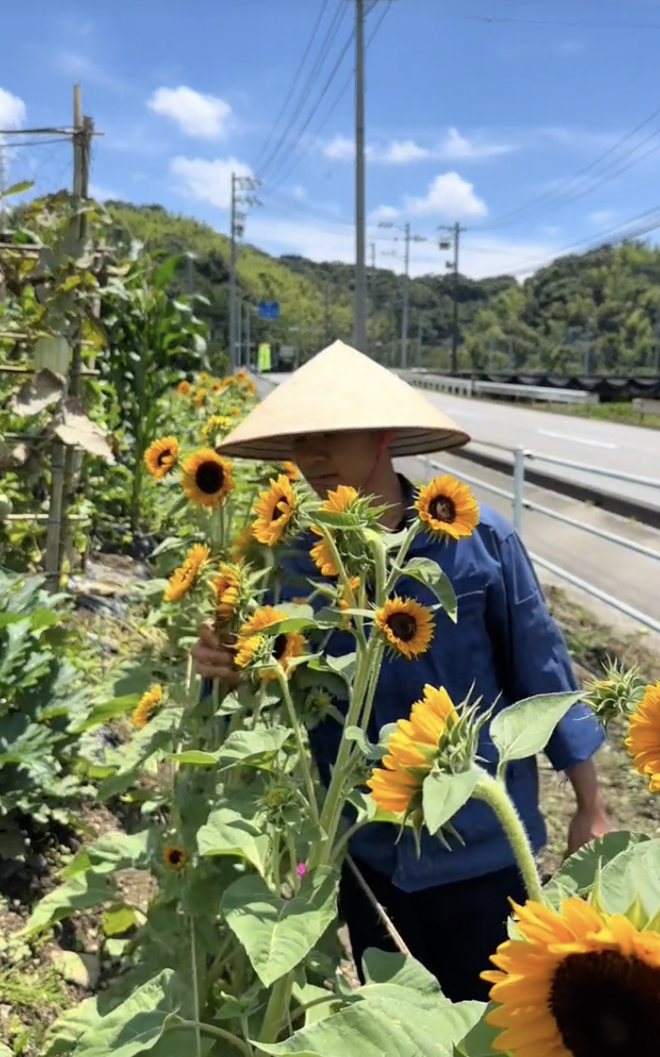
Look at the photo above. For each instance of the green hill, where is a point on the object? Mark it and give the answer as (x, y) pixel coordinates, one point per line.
(599, 311)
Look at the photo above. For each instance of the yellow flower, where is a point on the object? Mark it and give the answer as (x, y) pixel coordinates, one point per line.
(241, 543)
(352, 587)
(291, 470)
(577, 984)
(227, 589)
(200, 397)
(183, 578)
(207, 478)
(183, 388)
(285, 647)
(161, 456)
(250, 388)
(175, 857)
(274, 509)
(643, 740)
(203, 377)
(147, 705)
(235, 411)
(407, 626)
(411, 751)
(241, 375)
(336, 502)
(447, 507)
(216, 424)
(216, 386)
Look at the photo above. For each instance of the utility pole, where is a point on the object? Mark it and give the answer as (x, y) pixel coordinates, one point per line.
(408, 237)
(372, 288)
(420, 327)
(248, 336)
(241, 186)
(446, 244)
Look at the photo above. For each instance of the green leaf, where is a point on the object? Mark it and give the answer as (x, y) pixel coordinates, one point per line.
(429, 573)
(196, 757)
(479, 1041)
(278, 933)
(100, 714)
(117, 920)
(81, 893)
(386, 967)
(577, 874)
(366, 747)
(524, 729)
(71, 1026)
(228, 832)
(254, 747)
(444, 794)
(632, 878)
(17, 188)
(134, 1027)
(114, 851)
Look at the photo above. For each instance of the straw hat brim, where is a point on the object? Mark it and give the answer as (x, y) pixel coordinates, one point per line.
(341, 390)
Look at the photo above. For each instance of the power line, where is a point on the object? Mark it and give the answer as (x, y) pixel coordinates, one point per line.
(513, 20)
(559, 192)
(331, 36)
(349, 80)
(294, 82)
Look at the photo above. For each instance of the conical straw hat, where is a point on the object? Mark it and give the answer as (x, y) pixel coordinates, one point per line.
(340, 390)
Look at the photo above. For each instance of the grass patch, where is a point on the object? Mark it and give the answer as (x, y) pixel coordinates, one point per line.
(622, 412)
(30, 999)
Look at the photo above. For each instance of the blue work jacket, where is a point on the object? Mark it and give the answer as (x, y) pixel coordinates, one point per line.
(505, 643)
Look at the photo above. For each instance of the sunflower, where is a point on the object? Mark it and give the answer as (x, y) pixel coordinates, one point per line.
(643, 740)
(241, 543)
(284, 648)
(200, 397)
(291, 470)
(448, 507)
(274, 509)
(241, 375)
(250, 388)
(350, 588)
(235, 411)
(161, 456)
(183, 578)
(216, 386)
(215, 424)
(577, 984)
(407, 626)
(227, 589)
(207, 478)
(183, 388)
(175, 857)
(411, 751)
(147, 705)
(336, 502)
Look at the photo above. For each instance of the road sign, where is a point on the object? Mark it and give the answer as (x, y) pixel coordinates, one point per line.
(269, 310)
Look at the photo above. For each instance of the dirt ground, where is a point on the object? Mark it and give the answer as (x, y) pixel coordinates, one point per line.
(34, 987)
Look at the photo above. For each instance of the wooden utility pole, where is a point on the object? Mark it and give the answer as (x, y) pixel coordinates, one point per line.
(444, 243)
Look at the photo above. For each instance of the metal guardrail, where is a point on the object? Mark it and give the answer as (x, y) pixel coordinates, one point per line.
(467, 387)
(519, 504)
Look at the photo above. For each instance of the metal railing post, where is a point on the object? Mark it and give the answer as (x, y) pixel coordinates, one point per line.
(518, 488)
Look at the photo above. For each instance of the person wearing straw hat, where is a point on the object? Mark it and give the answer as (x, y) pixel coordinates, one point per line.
(343, 419)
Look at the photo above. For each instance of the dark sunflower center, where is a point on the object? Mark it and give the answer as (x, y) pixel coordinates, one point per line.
(403, 626)
(442, 508)
(209, 478)
(279, 647)
(164, 457)
(280, 510)
(606, 1004)
(175, 857)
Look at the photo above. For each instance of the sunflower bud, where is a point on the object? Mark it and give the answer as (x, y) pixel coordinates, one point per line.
(617, 694)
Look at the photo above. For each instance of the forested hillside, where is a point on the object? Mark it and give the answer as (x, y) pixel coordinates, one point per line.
(598, 312)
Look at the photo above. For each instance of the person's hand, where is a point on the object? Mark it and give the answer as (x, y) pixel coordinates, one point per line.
(213, 658)
(587, 824)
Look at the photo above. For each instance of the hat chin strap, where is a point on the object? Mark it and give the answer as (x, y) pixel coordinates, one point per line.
(382, 448)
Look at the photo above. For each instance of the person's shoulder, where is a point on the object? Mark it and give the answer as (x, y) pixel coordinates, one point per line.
(494, 524)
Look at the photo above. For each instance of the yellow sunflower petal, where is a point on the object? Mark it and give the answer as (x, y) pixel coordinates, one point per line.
(274, 510)
(161, 456)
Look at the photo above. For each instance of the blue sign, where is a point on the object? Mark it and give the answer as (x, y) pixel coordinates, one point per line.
(269, 310)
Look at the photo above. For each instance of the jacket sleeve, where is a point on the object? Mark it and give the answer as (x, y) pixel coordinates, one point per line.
(536, 658)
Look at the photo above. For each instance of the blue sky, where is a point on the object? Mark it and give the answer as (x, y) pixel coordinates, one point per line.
(478, 111)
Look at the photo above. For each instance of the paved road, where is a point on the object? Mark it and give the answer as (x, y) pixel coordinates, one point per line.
(631, 577)
(625, 449)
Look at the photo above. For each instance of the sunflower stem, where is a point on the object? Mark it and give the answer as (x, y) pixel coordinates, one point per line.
(276, 1009)
(494, 793)
(401, 557)
(302, 749)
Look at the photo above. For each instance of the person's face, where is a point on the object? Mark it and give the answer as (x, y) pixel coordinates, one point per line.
(327, 460)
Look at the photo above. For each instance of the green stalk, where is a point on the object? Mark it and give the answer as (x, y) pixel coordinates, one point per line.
(277, 1007)
(494, 793)
(401, 556)
(302, 749)
(215, 1032)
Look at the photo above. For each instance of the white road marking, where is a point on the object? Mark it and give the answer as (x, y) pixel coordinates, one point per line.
(577, 440)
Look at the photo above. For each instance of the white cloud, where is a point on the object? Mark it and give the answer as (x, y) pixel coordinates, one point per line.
(383, 213)
(208, 181)
(12, 110)
(203, 116)
(448, 195)
(456, 147)
(404, 152)
(299, 192)
(602, 216)
(321, 241)
(339, 149)
(101, 194)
